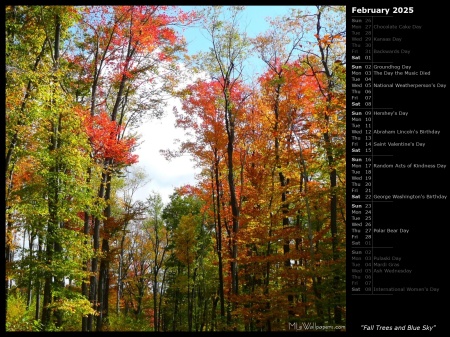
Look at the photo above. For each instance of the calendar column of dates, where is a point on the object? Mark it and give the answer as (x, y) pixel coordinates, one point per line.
(361, 170)
(397, 171)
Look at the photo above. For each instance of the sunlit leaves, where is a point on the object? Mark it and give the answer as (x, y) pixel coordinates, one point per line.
(104, 135)
(267, 144)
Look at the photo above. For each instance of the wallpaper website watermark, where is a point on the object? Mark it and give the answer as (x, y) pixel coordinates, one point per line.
(313, 326)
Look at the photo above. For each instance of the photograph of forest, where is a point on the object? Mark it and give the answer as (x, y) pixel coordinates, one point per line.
(254, 237)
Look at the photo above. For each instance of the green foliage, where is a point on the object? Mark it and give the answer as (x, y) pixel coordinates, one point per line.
(178, 206)
(72, 303)
(69, 262)
(169, 257)
(18, 317)
(123, 322)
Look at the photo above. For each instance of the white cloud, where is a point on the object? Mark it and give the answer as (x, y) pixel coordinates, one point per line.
(157, 134)
(160, 134)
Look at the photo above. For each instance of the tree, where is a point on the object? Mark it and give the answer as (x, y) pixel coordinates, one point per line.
(159, 241)
(227, 50)
(277, 48)
(326, 65)
(225, 64)
(125, 211)
(56, 149)
(191, 273)
(257, 243)
(122, 48)
(203, 115)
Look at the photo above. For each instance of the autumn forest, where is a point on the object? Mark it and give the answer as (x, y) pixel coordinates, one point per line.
(256, 244)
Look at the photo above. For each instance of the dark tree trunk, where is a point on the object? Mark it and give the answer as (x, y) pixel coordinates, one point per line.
(219, 234)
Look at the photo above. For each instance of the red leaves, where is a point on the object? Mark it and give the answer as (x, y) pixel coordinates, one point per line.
(107, 141)
(188, 190)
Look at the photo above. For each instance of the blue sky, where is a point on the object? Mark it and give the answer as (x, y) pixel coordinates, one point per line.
(160, 134)
(254, 21)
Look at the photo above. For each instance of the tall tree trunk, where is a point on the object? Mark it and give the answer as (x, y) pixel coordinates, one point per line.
(155, 301)
(219, 233)
(120, 272)
(103, 283)
(38, 281)
(84, 284)
(189, 299)
(213, 326)
(53, 198)
(333, 225)
(103, 286)
(51, 234)
(229, 121)
(160, 326)
(46, 312)
(327, 93)
(283, 183)
(94, 262)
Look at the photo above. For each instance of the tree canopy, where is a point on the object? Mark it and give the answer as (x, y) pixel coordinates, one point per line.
(256, 244)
